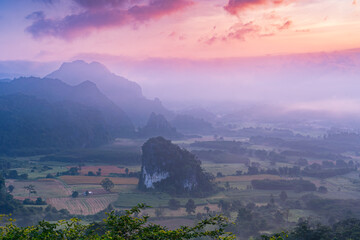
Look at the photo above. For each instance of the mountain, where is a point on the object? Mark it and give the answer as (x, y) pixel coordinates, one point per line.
(126, 94)
(157, 125)
(167, 167)
(17, 68)
(29, 124)
(199, 113)
(86, 94)
(190, 124)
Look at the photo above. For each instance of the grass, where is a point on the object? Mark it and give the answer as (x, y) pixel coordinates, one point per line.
(105, 169)
(37, 173)
(75, 180)
(154, 199)
(44, 188)
(83, 205)
(225, 169)
(247, 178)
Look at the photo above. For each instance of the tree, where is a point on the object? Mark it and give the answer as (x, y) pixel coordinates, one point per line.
(91, 173)
(75, 194)
(272, 200)
(31, 189)
(159, 211)
(39, 201)
(73, 171)
(12, 174)
(190, 206)
(10, 188)
(126, 171)
(322, 189)
(98, 173)
(174, 204)
(283, 196)
(227, 185)
(118, 226)
(49, 175)
(107, 184)
(207, 209)
(224, 205)
(279, 217)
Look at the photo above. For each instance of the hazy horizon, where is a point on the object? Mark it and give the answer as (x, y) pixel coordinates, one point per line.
(296, 55)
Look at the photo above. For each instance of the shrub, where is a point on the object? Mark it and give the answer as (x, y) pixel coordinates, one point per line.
(116, 226)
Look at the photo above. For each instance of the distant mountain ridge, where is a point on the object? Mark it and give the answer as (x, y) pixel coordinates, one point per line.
(29, 125)
(126, 94)
(157, 125)
(86, 94)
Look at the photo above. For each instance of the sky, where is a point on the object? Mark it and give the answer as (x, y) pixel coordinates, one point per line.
(58, 30)
(298, 53)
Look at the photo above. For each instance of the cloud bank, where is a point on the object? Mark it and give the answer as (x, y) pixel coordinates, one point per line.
(234, 7)
(101, 14)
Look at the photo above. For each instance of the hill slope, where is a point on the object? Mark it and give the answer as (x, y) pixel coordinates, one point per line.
(126, 94)
(86, 94)
(30, 123)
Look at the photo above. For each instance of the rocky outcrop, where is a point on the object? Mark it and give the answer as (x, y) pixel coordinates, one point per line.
(157, 125)
(168, 168)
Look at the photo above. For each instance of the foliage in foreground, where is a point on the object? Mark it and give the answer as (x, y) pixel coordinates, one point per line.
(348, 229)
(117, 227)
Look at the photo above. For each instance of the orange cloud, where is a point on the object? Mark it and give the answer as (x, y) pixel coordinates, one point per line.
(236, 6)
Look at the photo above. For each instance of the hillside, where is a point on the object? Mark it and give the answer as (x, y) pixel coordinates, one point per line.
(157, 125)
(126, 94)
(29, 123)
(86, 94)
(190, 124)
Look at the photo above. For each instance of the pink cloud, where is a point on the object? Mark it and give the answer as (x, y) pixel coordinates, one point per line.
(236, 6)
(174, 35)
(286, 25)
(242, 31)
(100, 14)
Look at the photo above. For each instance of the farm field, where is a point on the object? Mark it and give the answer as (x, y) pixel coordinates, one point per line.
(247, 178)
(44, 188)
(75, 180)
(83, 205)
(105, 169)
(234, 186)
(156, 199)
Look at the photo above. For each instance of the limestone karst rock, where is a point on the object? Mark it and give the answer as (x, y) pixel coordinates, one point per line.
(168, 168)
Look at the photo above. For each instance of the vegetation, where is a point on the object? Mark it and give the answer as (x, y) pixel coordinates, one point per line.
(296, 185)
(190, 206)
(347, 229)
(107, 184)
(115, 226)
(75, 194)
(30, 123)
(174, 204)
(182, 168)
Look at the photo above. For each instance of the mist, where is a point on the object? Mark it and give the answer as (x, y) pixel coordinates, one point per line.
(316, 81)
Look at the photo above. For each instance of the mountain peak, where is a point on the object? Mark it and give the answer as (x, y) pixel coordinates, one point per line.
(87, 84)
(157, 125)
(126, 94)
(87, 68)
